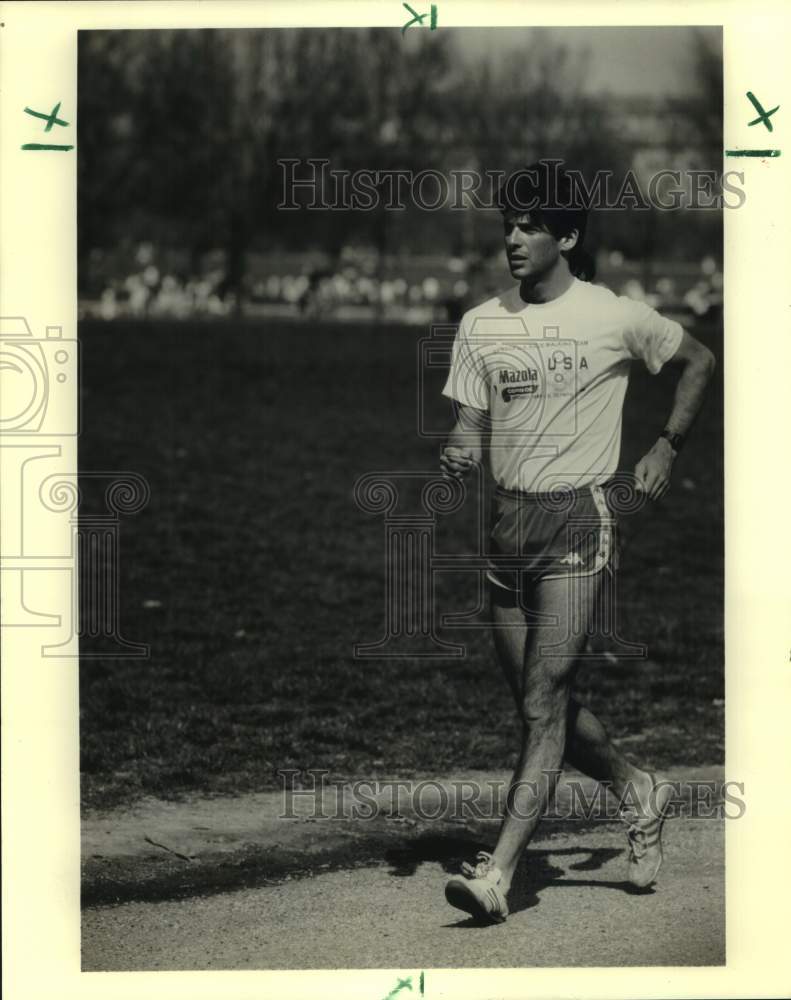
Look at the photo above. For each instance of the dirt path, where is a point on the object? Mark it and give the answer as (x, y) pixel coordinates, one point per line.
(570, 907)
(230, 884)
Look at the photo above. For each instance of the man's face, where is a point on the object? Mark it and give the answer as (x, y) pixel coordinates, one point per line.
(532, 250)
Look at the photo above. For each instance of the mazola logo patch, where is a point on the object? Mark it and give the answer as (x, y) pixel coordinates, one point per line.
(509, 376)
(511, 392)
(518, 375)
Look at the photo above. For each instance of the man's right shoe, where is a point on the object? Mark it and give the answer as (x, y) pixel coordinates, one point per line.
(644, 830)
(477, 890)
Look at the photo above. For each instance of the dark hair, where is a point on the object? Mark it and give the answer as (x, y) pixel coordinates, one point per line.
(547, 194)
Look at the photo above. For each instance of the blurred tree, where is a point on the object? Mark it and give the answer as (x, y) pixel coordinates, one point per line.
(104, 123)
(180, 133)
(152, 127)
(705, 109)
(693, 141)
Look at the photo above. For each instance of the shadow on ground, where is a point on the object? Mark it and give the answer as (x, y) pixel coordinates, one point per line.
(536, 872)
(109, 881)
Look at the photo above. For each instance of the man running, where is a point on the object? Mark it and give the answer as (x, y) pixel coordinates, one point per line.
(538, 375)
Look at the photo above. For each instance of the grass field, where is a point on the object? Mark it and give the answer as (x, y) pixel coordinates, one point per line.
(251, 573)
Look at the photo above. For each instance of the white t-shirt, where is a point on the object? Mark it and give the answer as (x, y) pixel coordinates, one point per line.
(553, 379)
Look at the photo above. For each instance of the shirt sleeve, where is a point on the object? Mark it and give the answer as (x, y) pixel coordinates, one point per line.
(649, 336)
(466, 381)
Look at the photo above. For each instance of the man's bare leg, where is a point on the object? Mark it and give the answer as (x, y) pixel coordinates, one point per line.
(590, 750)
(588, 747)
(555, 726)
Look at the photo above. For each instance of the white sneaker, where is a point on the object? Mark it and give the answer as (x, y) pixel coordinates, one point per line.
(644, 830)
(477, 890)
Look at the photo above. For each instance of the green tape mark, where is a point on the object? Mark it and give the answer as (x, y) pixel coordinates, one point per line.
(51, 119)
(752, 152)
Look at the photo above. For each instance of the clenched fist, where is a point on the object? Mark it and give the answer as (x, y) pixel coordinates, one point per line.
(456, 462)
(652, 472)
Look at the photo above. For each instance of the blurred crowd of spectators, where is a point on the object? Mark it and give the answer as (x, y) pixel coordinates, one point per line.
(150, 290)
(357, 284)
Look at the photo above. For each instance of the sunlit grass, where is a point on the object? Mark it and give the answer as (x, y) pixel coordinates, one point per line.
(266, 573)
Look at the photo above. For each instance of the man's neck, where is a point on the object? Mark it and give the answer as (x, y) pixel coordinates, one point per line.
(548, 287)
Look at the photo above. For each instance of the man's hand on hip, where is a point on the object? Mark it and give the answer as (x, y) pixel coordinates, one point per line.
(653, 470)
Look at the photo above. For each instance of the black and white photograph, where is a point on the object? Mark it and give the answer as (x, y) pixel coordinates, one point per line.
(393, 581)
(401, 478)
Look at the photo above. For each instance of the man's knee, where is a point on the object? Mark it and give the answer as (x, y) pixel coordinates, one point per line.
(547, 692)
(540, 720)
(546, 713)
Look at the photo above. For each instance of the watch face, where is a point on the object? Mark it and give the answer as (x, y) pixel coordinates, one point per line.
(674, 439)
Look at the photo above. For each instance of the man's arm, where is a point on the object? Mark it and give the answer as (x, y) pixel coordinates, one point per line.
(697, 364)
(464, 447)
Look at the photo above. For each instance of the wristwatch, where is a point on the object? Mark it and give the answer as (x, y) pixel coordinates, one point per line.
(676, 440)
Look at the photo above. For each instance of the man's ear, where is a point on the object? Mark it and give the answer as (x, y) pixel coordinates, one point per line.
(569, 241)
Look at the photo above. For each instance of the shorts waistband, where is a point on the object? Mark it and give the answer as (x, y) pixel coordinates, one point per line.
(550, 497)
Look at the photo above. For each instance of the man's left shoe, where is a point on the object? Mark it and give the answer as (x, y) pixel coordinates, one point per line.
(477, 891)
(644, 830)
